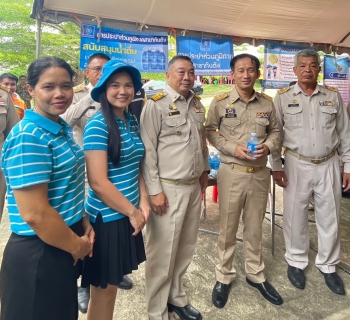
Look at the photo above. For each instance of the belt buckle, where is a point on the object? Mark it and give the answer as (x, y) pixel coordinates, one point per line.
(250, 169)
(191, 181)
(316, 161)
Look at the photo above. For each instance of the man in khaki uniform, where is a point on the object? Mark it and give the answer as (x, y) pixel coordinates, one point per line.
(175, 169)
(314, 128)
(243, 182)
(77, 115)
(8, 118)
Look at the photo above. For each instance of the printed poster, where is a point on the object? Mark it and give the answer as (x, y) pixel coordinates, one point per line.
(210, 56)
(278, 64)
(148, 52)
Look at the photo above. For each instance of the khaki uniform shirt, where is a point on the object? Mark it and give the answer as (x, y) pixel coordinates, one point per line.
(312, 126)
(236, 120)
(79, 113)
(8, 115)
(348, 108)
(174, 137)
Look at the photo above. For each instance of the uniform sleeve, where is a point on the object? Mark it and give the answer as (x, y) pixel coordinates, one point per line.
(150, 126)
(273, 135)
(275, 157)
(76, 110)
(11, 117)
(343, 131)
(348, 109)
(95, 135)
(212, 125)
(27, 160)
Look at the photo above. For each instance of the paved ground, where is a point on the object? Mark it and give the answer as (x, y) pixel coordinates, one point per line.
(315, 302)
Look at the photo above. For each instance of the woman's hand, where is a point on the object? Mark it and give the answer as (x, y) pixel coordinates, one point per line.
(145, 208)
(137, 220)
(84, 248)
(89, 232)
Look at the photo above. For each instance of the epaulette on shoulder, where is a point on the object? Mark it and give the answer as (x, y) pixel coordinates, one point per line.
(331, 88)
(158, 96)
(197, 97)
(264, 95)
(284, 90)
(79, 88)
(221, 96)
(4, 88)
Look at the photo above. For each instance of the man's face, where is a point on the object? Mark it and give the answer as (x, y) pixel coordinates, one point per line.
(94, 70)
(245, 74)
(10, 84)
(23, 81)
(181, 77)
(307, 70)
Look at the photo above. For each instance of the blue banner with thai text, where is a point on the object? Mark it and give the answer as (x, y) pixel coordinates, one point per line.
(148, 52)
(210, 56)
(278, 64)
(336, 74)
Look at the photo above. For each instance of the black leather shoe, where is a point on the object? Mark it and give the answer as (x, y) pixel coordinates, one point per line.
(185, 313)
(296, 276)
(83, 299)
(334, 282)
(267, 291)
(220, 294)
(126, 284)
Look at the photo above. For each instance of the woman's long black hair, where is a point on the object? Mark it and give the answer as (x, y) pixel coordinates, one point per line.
(114, 138)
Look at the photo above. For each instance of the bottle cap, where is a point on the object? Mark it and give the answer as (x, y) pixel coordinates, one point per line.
(253, 134)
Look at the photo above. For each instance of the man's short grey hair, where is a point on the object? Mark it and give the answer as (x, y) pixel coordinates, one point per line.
(306, 53)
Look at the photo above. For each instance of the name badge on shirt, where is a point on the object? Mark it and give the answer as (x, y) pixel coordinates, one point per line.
(174, 113)
(262, 115)
(230, 113)
(293, 105)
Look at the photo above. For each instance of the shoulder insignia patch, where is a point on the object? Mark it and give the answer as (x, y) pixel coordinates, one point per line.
(79, 88)
(331, 88)
(221, 96)
(197, 97)
(266, 96)
(158, 96)
(4, 88)
(284, 90)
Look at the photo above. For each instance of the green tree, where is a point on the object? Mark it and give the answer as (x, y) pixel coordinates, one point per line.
(18, 41)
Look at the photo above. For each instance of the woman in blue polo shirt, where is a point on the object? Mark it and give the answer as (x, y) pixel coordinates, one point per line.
(117, 203)
(44, 171)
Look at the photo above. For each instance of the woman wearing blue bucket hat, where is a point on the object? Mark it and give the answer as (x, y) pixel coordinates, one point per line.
(117, 204)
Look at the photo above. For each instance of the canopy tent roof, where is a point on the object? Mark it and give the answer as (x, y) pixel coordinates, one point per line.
(322, 23)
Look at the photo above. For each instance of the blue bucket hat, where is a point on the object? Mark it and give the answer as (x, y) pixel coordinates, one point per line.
(108, 69)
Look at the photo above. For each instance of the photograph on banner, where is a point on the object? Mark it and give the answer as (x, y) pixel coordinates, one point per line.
(210, 56)
(278, 64)
(148, 52)
(336, 74)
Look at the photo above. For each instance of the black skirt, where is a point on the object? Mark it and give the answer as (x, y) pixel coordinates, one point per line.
(116, 253)
(38, 281)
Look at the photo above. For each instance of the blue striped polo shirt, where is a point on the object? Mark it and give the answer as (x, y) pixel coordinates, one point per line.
(40, 151)
(125, 177)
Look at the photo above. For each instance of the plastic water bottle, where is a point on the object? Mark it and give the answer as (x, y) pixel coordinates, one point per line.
(215, 164)
(251, 144)
(210, 160)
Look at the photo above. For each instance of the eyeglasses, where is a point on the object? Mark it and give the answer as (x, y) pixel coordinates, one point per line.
(96, 69)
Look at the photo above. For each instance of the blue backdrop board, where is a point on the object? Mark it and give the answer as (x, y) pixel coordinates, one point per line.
(148, 52)
(210, 56)
(336, 75)
(278, 64)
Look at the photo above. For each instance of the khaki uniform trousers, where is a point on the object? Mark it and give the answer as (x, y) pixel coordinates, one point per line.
(2, 192)
(170, 243)
(323, 181)
(239, 191)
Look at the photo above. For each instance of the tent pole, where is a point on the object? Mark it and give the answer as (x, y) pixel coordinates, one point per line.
(38, 38)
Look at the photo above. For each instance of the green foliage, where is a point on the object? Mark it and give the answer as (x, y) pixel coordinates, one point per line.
(18, 38)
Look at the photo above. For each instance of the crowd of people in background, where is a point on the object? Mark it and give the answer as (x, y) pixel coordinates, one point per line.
(78, 202)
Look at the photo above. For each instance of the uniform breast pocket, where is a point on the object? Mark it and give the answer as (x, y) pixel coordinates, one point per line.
(328, 115)
(260, 127)
(176, 129)
(293, 117)
(228, 127)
